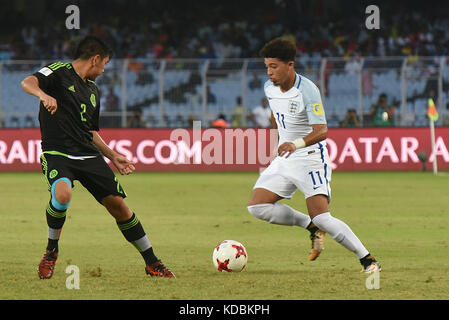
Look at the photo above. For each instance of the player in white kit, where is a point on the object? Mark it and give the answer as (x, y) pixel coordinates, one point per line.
(303, 161)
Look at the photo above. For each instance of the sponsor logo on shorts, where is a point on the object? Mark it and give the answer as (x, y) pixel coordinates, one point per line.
(53, 173)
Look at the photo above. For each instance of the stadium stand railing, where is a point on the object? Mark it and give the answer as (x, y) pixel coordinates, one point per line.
(173, 93)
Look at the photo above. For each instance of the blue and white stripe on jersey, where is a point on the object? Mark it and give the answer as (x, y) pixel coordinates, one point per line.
(325, 169)
(297, 81)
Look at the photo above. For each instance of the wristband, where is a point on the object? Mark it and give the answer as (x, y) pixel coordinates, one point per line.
(299, 143)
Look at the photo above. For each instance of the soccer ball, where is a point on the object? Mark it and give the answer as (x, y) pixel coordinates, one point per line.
(229, 256)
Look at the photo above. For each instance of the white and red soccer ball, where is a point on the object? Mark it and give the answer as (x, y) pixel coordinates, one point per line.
(230, 256)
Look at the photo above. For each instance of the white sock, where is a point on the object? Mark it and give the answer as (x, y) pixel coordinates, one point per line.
(279, 213)
(340, 232)
(54, 234)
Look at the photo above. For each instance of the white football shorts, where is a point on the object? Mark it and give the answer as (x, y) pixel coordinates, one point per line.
(307, 169)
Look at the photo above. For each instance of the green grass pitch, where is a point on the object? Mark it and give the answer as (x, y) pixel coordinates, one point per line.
(401, 217)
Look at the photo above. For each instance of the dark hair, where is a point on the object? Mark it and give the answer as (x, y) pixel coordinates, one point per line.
(90, 46)
(280, 48)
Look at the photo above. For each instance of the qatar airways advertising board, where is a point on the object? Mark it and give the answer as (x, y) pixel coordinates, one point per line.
(199, 149)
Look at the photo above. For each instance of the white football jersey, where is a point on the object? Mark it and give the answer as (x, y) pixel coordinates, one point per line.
(296, 110)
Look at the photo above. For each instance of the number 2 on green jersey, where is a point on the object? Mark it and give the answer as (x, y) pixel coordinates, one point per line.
(83, 111)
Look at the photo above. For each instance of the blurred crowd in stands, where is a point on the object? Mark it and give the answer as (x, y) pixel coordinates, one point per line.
(225, 29)
(170, 29)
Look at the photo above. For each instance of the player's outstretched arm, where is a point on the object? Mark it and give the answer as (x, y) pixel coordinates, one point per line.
(31, 86)
(319, 133)
(123, 165)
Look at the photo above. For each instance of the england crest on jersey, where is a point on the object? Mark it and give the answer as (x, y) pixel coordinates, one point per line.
(293, 107)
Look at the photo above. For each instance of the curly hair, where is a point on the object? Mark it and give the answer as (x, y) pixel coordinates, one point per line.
(280, 48)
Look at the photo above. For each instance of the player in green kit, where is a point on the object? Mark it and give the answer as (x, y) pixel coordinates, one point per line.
(73, 150)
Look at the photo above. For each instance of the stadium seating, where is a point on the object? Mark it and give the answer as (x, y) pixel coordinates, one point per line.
(225, 44)
(183, 93)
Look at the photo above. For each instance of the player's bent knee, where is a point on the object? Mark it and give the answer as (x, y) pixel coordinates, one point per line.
(261, 211)
(117, 207)
(263, 196)
(61, 193)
